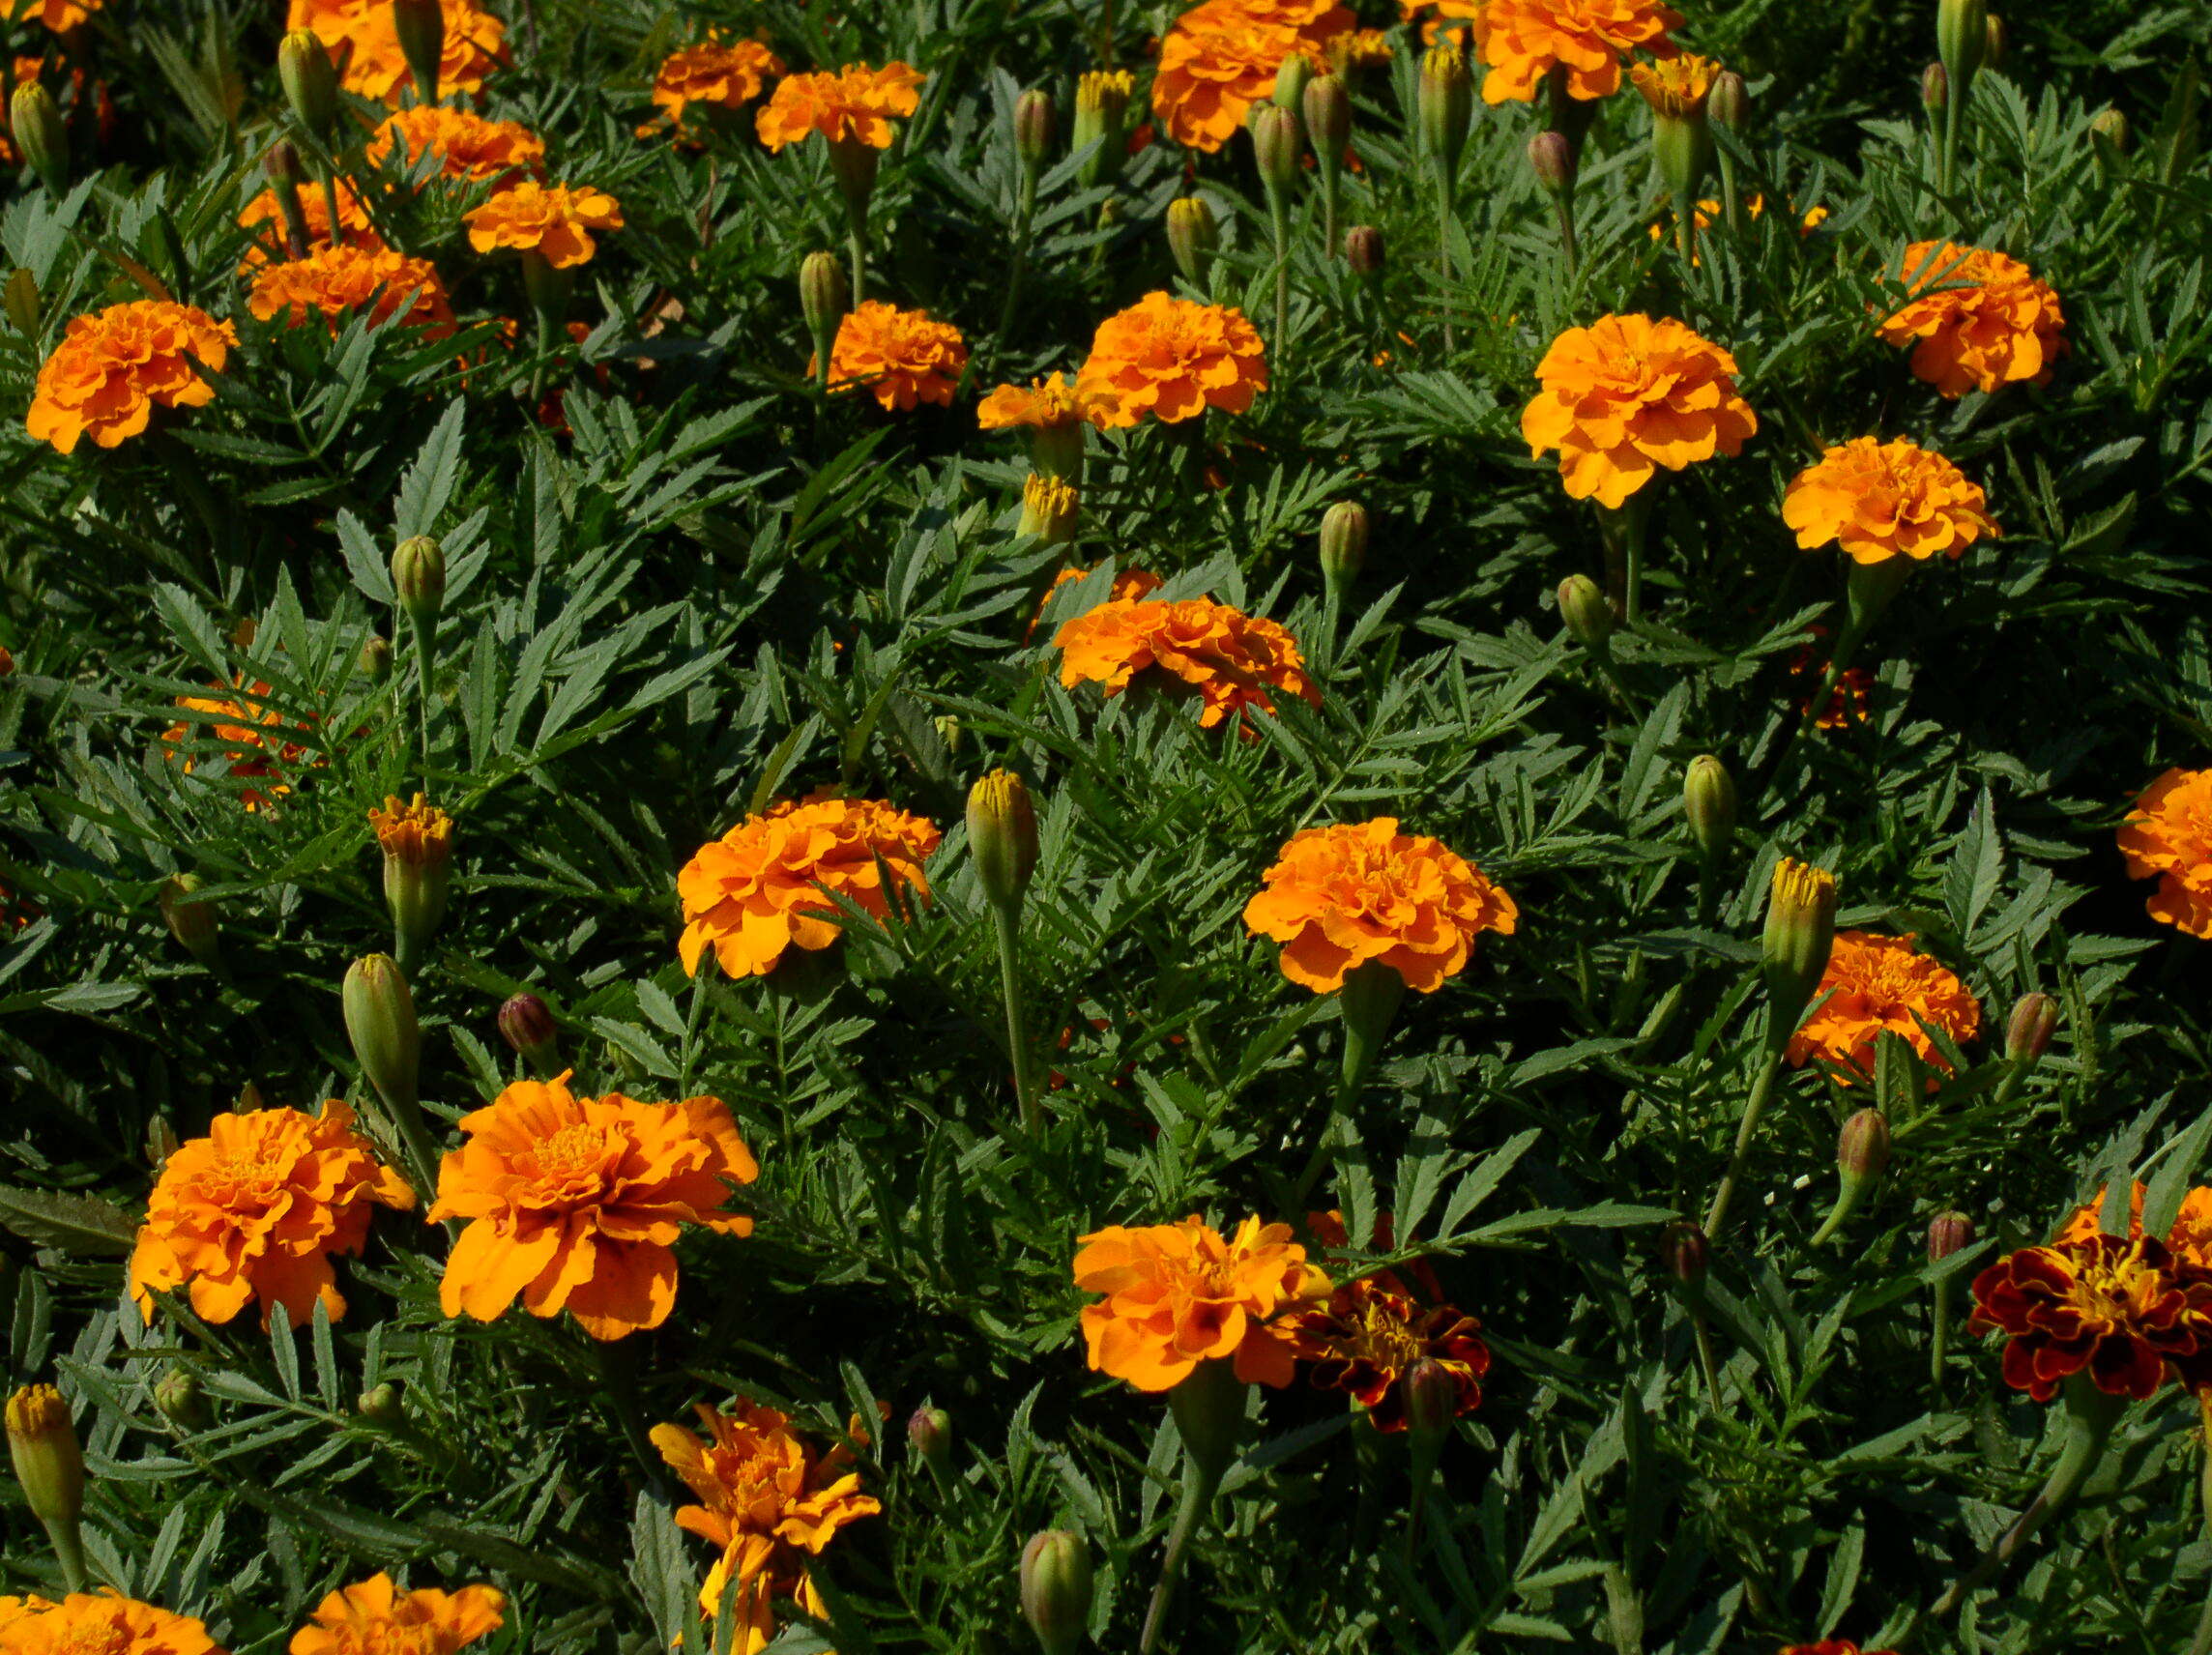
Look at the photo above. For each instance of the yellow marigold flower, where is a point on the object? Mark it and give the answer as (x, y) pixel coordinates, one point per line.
(332, 281)
(1172, 359)
(857, 103)
(715, 77)
(266, 219)
(365, 41)
(1220, 58)
(1043, 405)
(1232, 659)
(1178, 1295)
(1361, 48)
(766, 885)
(376, 1618)
(247, 725)
(1675, 87)
(467, 145)
(254, 1210)
(113, 367)
(1626, 395)
(1880, 500)
(575, 1203)
(2189, 1240)
(1522, 41)
(766, 1504)
(1982, 320)
(898, 357)
(1340, 896)
(553, 221)
(1873, 984)
(104, 1622)
(59, 15)
(2168, 836)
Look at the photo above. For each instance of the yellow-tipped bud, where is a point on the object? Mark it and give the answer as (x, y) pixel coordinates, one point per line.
(1681, 140)
(1003, 836)
(42, 1445)
(418, 843)
(1101, 116)
(381, 1024)
(418, 579)
(1800, 931)
(1443, 104)
(1049, 507)
(2109, 132)
(1193, 234)
(310, 80)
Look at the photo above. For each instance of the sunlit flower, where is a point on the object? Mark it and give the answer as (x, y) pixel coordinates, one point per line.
(576, 1202)
(2115, 1310)
(2189, 1240)
(413, 832)
(2168, 836)
(1172, 359)
(1880, 500)
(1128, 585)
(100, 1623)
(1879, 985)
(857, 104)
(1981, 320)
(258, 744)
(1236, 662)
(376, 1618)
(362, 39)
(553, 221)
(264, 217)
(59, 15)
(115, 366)
(711, 81)
(1675, 87)
(1522, 41)
(332, 281)
(1367, 1338)
(1044, 405)
(1220, 58)
(466, 144)
(898, 357)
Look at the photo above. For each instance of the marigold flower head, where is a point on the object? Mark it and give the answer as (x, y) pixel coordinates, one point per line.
(1876, 984)
(248, 728)
(416, 833)
(1043, 405)
(466, 145)
(1172, 359)
(2189, 1240)
(253, 1212)
(575, 1203)
(2118, 1311)
(1178, 1295)
(104, 1622)
(715, 77)
(2168, 836)
(1981, 320)
(899, 356)
(1880, 500)
(332, 281)
(264, 217)
(59, 15)
(1220, 58)
(1233, 660)
(553, 221)
(1368, 1337)
(112, 368)
(857, 103)
(1626, 395)
(1522, 41)
(374, 1617)
(1340, 896)
(363, 39)
(1675, 87)
(1128, 585)
(767, 884)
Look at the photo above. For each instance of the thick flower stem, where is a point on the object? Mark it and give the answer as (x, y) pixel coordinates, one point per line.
(1731, 197)
(424, 660)
(1939, 1335)
(69, 1552)
(1446, 217)
(1005, 921)
(1279, 227)
(1846, 1199)
(1563, 204)
(855, 253)
(1017, 261)
(1366, 1004)
(1762, 1089)
(1953, 108)
(1706, 1362)
(1208, 1408)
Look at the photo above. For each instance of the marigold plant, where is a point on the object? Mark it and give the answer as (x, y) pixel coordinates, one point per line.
(374, 1617)
(248, 728)
(332, 281)
(857, 104)
(104, 1622)
(362, 39)
(1236, 662)
(467, 145)
(901, 358)
(554, 221)
(114, 368)
(1979, 320)
(1675, 87)
(1882, 984)
(2167, 836)
(1522, 41)
(710, 81)
(1880, 500)
(1220, 58)
(2118, 1311)
(1044, 404)
(1172, 359)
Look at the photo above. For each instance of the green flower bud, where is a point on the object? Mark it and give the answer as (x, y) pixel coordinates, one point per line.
(2028, 1034)
(1583, 608)
(1948, 1232)
(381, 1404)
(1862, 1148)
(1003, 836)
(375, 659)
(1276, 146)
(1961, 40)
(1934, 89)
(1193, 235)
(49, 1464)
(1292, 75)
(1056, 1589)
(526, 1023)
(1552, 158)
(421, 25)
(1208, 1408)
(1444, 106)
(380, 1023)
(1343, 545)
(1708, 802)
(1036, 129)
(1687, 1254)
(1364, 250)
(1327, 109)
(2108, 135)
(929, 1433)
(824, 294)
(40, 133)
(179, 1399)
(1729, 103)
(418, 579)
(191, 918)
(1431, 1399)
(310, 80)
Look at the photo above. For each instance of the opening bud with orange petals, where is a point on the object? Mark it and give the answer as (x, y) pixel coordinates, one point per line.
(1800, 932)
(1051, 506)
(418, 842)
(42, 1445)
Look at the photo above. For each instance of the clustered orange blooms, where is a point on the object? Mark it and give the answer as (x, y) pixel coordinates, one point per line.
(1628, 394)
(1178, 1295)
(767, 884)
(2167, 836)
(2124, 1313)
(1981, 320)
(1236, 662)
(767, 1503)
(2189, 1239)
(1172, 359)
(857, 104)
(332, 281)
(900, 358)
(253, 1212)
(363, 40)
(115, 366)
(1220, 58)
(714, 78)
(1880, 500)
(1046, 405)
(374, 1617)
(1522, 41)
(1876, 984)
(104, 1622)
(1338, 897)
(554, 221)
(467, 145)
(1846, 704)
(264, 217)
(247, 725)
(575, 1203)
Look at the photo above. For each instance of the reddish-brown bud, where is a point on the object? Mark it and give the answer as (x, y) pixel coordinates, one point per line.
(1948, 1232)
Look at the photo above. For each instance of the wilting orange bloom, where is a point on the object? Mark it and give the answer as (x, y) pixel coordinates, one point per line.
(899, 356)
(1877, 984)
(1178, 1295)
(254, 1210)
(249, 727)
(767, 1503)
(1628, 394)
(113, 367)
(365, 41)
(1367, 1338)
(553, 221)
(1675, 87)
(2118, 1311)
(2168, 836)
(715, 78)
(767, 884)
(1172, 359)
(332, 281)
(99, 1623)
(857, 103)
(1982, 320)
(266, 219)
(1231, 659)
(1522, 41)
(1340, 896)
(1880, 500)
(1220, 58)
(2189, 1240)
(576, 1202)
(1043, 404)
(466, 144)
(376, 1618)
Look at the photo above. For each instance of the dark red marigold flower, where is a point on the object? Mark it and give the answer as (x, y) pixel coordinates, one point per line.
(1832, 1646)
(2119, 1311)
(1366, 1339)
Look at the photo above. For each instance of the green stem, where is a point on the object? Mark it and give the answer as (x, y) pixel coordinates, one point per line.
(1564, 203)
(1198, 1489)
(1025, 211)
(1954, 101)
(1331, 190)
(1939, 1335)
(856, 250)
(1445, 217)
(1209, 1410)
(327, 177)
(1006, 923)
(68, 1551)
(1732, 198)
(1427, 1449)
(1705, 1361)
(1847, 1200)
(1762, 1089)
(424, 662)
(1279, 223)
(1686, 238)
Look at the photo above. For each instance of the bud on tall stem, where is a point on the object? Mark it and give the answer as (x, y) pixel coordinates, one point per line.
(1710, 804)
(421, 25)
(526, 1024)
(1193, 236)
(49, 1464)
(1003, 840)
(1443, 104)
(1862, 1157)
(929, 1433)
(1327, 108)
(387, 1043)
(825, 295)
(1057, 1584)
(41, 135)
(1036, 130)
(311, 83)
(1962, 42)
(1101, 118)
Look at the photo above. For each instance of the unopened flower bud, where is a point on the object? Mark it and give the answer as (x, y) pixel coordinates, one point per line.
(2109, 131)
(49, 1464)
(310, 80)
(1800, 932)
(526, 1023)
(1687, 1254)
(381, 1404)
(1934, 89)
(1101, 114)
(1327, 108)
(281, 163)
(1293, 76)
(1444, 106)
(1343, 545)
(1276, 146)
(20, 299)
(1862, 1146)
(1363, 249)
(1996, 41)
(375, 658)
(1056, 1589)
(1193, 235)
(1708, 803)
(1431, 1399)
(380, 1023)
(417, 839)
(40, 133)
(1050, 508)
(1585, 611)
(929, 1433)
(2028, 1034)
(1948, 1232)
(1552, 157)
(1961, 40)
(190, 918)
(179, 1399)
(418, 580)
(1728, 102)
(1003, 836)
(824, 294)
(421, 25)
(1036, 127)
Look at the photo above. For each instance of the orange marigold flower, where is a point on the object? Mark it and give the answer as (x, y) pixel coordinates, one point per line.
(1522, 41)
(767, 1503)
(1876, 984)
(1231, 659)
(1982, 320)
(899, 356)
(59, 15)
(715, 77)
(332, 281)
(376, 1618)
(364, 40)
(1178, 1295)
(104, 1622)
(266, 219)
(1128, 585)
(254, 1210)
(2168, 836)
(2117, 1310)
(1880, 500)
(1367, 1338)
(553, 221)
(1628, 394)
(467, 145)
(857, 103)
(1172, 359)
(1846, 705)
(769, 882)
(247, 725)
(2189, 1240)
(576, 1202)
(1675, 87)
(1340, 896)
(113, 367)
(1220, 58)
(1044, 405)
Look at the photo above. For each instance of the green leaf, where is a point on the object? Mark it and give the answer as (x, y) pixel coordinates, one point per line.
(82, 1226)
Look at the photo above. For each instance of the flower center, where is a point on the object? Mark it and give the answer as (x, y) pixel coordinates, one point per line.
(97, 1637)
(573, 1163)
